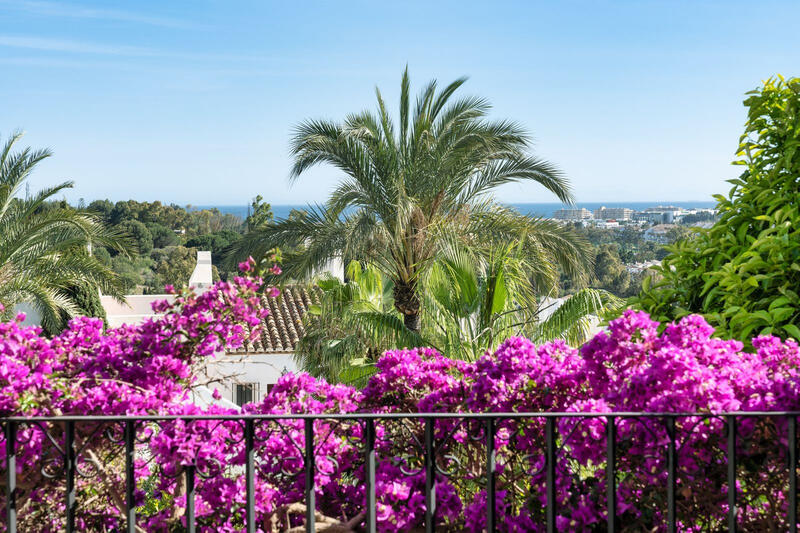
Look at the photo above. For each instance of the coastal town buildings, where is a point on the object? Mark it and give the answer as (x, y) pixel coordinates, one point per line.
(572, 214)
(613, 213)
(658, 233)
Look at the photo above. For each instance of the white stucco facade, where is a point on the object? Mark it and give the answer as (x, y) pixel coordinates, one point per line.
(224, 371)
(259, 369)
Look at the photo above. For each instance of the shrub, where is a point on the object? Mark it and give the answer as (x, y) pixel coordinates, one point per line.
(148, 369)
(743, 274)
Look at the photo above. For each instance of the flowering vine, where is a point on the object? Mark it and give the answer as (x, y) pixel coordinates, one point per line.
(147, 369)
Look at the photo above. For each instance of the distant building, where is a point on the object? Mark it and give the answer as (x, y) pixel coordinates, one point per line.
(572, 214)
(661, 214)
(658, 233)
(635, 268)
(607, 224)
(613, 213)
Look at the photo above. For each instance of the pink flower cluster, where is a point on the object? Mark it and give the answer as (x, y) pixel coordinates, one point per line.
(629, 367)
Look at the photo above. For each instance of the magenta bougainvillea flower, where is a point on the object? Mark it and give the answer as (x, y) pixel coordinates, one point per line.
(151, 368)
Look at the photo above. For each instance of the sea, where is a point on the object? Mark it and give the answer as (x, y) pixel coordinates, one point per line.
(544, 210)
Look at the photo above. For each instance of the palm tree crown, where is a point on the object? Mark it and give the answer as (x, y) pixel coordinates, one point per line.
(44, 252)
(410, 186)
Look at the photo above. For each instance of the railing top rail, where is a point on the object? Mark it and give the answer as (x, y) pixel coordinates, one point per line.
(389, 416)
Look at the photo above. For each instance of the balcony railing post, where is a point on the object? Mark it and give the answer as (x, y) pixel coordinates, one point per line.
(672, 522)
(249, 436)
(611, 473)
(369, 474)
(130, 475)
(550, 465)
(311, 503)
(491, 469)
(190, 520)
(69, 471)
(791, 441)
(731, 472)
(11, 477)
(430, 478)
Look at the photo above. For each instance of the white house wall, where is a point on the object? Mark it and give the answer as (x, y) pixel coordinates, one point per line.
(262, 368)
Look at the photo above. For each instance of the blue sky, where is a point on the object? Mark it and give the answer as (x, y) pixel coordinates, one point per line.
(194, 102)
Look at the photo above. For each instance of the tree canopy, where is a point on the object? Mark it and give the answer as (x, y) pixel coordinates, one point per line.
(411, 184)
(45, 257)
(743, 273)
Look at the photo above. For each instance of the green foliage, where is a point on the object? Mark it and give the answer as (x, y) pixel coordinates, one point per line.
(629, 242)
(87, 301)
(743, 274)
(260, 214)
(162, 235)
(412, 184)
(217, 243)
(691, 219)
(173, 266)
(134, 273)
(155, 226)
(141, 236)
(470, 304)
(610, 274)
(102, 208)
(44, 244)
(352, 326)
(475, 301)
(186, 220)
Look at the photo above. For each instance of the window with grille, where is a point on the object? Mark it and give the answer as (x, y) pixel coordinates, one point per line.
(245, 393)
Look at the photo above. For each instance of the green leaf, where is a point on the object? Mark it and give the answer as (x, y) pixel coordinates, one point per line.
(500, 295)
(792, 330)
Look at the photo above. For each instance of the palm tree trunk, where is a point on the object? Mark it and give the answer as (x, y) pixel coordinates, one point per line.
(412, 322)
(406, 300)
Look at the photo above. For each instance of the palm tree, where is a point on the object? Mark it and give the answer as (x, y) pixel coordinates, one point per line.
(473, 303)
(410, 186)
(351, 327)
(470, 306)
(44, 249)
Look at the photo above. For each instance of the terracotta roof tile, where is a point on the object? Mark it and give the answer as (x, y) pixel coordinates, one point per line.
(283, 328)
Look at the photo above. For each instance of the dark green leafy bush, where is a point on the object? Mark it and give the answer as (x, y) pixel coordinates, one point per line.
(743, 274)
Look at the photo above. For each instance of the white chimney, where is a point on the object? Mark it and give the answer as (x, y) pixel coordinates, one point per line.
(202, 279)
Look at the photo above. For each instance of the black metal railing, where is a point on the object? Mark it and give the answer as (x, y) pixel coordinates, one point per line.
(489, 423)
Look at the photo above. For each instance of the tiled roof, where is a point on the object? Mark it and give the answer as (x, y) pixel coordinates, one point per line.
(283, 327)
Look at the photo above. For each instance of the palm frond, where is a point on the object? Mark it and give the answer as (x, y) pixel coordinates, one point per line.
(45, 251)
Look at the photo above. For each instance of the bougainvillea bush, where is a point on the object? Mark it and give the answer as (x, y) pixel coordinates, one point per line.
(148, 369)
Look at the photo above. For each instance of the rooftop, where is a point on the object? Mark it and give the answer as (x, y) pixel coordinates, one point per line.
(283, 328)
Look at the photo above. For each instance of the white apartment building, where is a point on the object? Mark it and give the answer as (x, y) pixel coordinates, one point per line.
(613, 213)
(572, 214)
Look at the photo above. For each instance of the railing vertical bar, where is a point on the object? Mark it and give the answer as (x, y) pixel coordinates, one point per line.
(250, 455)
(731, 473)
(430, 478)
(311, 503)
(11, 477)
(130, 476)
(190, 520)
(792, 453)
(369, 474)
(491, 467)
(672, 522)
(69, 471)
(611, 473)
(550, 465)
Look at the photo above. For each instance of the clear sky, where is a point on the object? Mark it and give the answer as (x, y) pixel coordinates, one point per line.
(194, 102)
